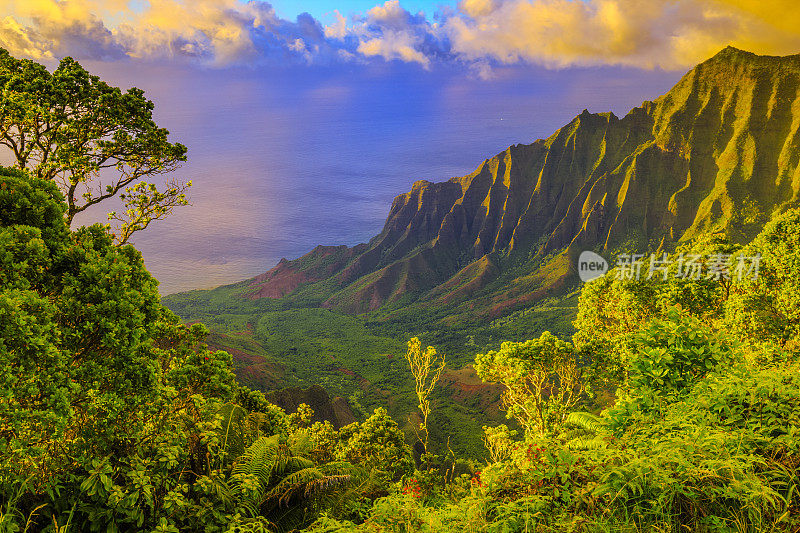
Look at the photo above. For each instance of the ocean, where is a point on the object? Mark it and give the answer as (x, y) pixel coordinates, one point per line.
(285, 159)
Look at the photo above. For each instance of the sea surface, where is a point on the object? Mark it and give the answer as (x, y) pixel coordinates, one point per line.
(285, 159)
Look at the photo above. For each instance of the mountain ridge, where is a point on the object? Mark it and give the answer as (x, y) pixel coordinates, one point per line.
(718, 152)
(488, 257)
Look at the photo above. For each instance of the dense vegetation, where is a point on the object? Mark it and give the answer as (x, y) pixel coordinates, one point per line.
(675, 405)
(472, 262)
(116, 417)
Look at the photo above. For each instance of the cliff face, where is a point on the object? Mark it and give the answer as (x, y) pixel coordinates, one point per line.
(720, 151)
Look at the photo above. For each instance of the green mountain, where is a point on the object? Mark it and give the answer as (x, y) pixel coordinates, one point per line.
(719, 152)
(489, 256)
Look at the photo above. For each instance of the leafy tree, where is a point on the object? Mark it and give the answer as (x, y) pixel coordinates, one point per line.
(612, 308)
(542, 380)
(427, 369)
(666, 359)
(376, 443)
(498, 442)
(102, 413)
(90, 138)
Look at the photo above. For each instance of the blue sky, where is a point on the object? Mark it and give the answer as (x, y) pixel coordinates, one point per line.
(322, 9)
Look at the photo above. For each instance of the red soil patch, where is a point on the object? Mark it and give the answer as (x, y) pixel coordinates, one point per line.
(278, 282)
(362, 381)
(242, 357)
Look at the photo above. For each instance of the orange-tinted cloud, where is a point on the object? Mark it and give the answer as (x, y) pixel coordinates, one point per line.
(653, 33)
(672, 34)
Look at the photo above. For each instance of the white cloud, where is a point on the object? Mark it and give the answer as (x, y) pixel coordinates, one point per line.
(393, 45)
(337, 30)
(479, 33)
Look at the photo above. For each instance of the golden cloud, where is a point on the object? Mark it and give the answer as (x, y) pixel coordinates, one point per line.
(656, 33)
(670, 34)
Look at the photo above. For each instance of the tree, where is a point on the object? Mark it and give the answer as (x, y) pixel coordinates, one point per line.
(611, 309)
(93, 140)
(766, 306)
(542, 380)
(377, 443)
(427, 369)
(105, 397)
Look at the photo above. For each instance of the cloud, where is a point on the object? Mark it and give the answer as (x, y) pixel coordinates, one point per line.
(20, 41)
(477, 8)
(480, 34)
(215, 31)
(337, 30)
(655, 33)
(393, 45)
(391, 32)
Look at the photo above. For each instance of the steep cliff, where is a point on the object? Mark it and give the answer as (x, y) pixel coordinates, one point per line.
(719, 152)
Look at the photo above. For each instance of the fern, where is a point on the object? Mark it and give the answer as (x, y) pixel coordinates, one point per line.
(294, 484)
(293, 464)
(234, 431)
(260, 459)
(300, 443)
(270, 479)
(585, 421)
(588, 432)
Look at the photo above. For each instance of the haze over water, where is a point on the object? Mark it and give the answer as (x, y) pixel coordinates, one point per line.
(287, 159)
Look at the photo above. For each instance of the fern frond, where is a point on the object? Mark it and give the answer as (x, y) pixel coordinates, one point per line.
(233, 431)
(294, 483)
(586, 421)
(307, 483)
(325, 484)
(260, 458)
(292, 464)
(301, 443)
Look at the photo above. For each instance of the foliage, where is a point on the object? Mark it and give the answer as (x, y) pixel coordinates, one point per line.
(498, 442)
(90, 138)
(426, 369)
(116, 417)
(541, 377)
(673, 353)
(377, 442)
(767, 307)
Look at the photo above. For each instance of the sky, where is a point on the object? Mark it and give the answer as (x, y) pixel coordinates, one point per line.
(477, 35)
(324, 9)
(304, 118)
